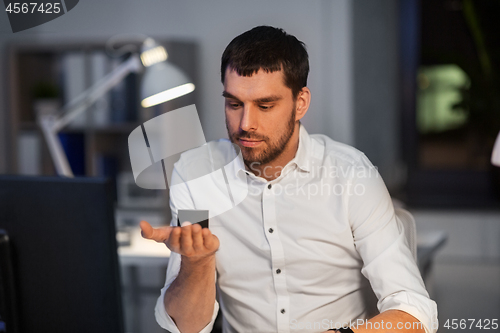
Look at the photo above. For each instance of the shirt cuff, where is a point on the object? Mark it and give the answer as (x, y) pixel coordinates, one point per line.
(166, 322)
(405, 302)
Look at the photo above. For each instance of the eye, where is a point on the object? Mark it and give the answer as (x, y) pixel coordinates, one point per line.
(233, 105)
(266, 107)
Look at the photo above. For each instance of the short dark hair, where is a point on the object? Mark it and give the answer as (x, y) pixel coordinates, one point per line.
(270, 49)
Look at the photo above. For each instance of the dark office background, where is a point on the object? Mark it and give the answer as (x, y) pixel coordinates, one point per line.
(412, 83)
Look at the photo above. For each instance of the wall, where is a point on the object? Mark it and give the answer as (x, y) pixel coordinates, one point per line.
(5, 35)
(376, 91)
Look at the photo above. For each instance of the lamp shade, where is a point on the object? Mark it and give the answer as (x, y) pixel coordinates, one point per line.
(495, 156)
(162, 82)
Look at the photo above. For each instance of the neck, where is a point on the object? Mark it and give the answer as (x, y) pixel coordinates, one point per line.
(272, 170)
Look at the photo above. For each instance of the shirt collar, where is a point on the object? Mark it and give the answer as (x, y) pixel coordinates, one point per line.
(302, 156)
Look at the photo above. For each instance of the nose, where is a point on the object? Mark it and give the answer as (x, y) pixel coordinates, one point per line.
(249, 121)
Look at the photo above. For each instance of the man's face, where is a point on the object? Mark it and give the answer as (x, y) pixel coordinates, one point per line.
(260, 114)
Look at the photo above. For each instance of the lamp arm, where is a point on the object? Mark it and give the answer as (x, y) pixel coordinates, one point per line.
(495, 156)
(55, 148)
(52, 124)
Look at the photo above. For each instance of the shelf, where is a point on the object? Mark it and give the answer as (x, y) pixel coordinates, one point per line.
(124, 128)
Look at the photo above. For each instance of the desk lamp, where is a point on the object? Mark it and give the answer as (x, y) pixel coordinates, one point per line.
(162, 81)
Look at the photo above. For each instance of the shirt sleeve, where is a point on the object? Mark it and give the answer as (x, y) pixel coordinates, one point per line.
(380, 240)
(180, 198)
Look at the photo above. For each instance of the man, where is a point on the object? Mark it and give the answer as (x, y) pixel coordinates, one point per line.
(317, 221)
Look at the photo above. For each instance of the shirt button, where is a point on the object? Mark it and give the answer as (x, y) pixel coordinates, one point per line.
(269, 186)
(278, 271)
(283, 311)
(271, 230)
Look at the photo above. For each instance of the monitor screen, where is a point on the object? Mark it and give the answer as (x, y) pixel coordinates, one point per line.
(63, 253)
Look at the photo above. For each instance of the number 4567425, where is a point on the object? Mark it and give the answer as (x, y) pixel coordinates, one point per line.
(484, 324)
(33, 7)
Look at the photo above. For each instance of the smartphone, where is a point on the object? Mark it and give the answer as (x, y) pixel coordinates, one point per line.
(194, 216)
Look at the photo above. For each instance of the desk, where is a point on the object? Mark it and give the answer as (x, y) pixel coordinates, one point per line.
(143, 252)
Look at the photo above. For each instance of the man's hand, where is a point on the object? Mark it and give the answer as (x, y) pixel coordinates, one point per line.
(190, 240)
(190, 299)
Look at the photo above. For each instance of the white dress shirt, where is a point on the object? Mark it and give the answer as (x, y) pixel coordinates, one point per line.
(296, 253)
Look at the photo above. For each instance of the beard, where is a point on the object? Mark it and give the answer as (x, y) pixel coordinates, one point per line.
(272, 149)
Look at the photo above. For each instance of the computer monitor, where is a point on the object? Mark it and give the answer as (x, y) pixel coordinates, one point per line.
(63, 253)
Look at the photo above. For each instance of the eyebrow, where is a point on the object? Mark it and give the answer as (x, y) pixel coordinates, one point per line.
(268, 99)
(228, 95)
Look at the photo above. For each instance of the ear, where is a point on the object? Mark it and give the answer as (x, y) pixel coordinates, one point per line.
(302, 103)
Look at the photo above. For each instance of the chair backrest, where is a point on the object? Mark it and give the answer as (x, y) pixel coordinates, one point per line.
(410, 228)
